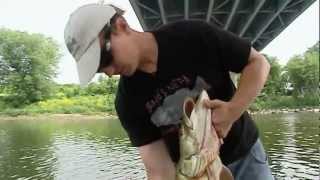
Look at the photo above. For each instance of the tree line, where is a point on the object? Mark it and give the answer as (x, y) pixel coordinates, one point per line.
(294, 85)
(28, 66)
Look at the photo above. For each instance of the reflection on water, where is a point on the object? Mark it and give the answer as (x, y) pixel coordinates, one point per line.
(82, 158)
(292, 143)
(91, 149)
(100, 149)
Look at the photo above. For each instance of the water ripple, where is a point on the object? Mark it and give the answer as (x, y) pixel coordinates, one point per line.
(293, 148)
(111, 158)
(71, 152)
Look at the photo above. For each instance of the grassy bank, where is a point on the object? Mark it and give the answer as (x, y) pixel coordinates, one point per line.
(104, 104)
(285, 102)
(73, 105)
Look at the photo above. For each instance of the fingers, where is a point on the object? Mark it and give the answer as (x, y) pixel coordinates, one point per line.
(213, 103)
(221, 130)
(218, 130)
(221, 141)
(220, 133)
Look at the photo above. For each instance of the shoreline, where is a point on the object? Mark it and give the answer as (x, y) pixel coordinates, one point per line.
(51, 116)
(286, 110)
(104, 115)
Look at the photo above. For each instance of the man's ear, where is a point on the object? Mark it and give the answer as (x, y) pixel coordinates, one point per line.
(121, 25)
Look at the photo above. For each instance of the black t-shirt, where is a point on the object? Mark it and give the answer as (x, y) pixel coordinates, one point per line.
(192, 56)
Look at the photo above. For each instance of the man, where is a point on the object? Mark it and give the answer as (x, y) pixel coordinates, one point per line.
(159, 69)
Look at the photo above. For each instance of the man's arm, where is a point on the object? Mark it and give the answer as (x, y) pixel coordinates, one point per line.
(157, 161)
(252, 80)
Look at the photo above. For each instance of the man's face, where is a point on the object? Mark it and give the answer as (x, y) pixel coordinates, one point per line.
(119, 55)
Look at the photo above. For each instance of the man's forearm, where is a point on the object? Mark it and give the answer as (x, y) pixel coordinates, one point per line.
(252, 80)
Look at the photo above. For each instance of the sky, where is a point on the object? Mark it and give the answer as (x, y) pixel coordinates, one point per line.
(50, 17)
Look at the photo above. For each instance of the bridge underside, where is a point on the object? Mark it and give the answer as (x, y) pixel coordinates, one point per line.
(260, 21)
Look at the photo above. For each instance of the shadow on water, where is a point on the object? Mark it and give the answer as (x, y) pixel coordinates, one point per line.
(100, 149)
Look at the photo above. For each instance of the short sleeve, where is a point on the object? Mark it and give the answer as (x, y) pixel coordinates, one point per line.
(233, 52)
(134, 119)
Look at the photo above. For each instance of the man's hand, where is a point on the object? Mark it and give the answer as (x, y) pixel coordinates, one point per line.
(223, 116)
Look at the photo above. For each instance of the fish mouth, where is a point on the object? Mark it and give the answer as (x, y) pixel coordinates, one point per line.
(188, 107)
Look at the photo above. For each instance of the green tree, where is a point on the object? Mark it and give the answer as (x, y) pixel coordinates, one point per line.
(314, 48)
(303, 71)
(28, 66)
(275, 84)
(111, 84)
(103, 86)
(67, 90)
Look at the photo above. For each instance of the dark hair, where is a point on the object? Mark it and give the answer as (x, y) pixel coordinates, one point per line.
(118, 10)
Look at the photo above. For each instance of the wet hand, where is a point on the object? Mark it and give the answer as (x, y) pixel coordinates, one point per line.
(224, 114)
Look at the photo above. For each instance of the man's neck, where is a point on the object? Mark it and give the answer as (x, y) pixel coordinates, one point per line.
(149, 53)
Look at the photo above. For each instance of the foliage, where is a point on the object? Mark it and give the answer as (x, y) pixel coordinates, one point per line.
(80, 104)
(104, 86)
(27, 66)
(275, 84)
(276, 102)
(14, 112)
(295, 85)
(303, 72)
(67, 91)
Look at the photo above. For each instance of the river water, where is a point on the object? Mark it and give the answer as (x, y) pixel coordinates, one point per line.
(87, 149)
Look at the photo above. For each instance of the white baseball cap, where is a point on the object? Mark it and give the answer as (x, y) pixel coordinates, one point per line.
(81, 36)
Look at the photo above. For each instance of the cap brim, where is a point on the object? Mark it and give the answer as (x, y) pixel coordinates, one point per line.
(89, 62)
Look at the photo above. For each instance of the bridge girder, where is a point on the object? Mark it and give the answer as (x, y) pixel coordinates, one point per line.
(260, 21)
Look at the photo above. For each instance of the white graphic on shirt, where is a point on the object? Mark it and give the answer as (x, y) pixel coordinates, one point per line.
(170, 112)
